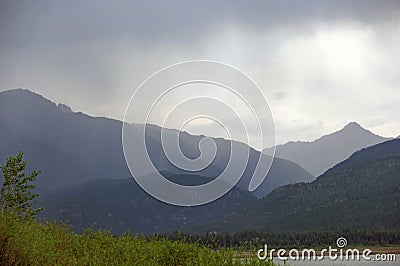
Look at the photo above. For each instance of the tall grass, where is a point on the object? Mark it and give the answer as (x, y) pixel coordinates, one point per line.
(27, 242)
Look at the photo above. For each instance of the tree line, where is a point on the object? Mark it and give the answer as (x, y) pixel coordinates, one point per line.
(253, 239)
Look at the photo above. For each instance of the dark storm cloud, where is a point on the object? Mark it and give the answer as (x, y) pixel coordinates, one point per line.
(44, 22)
(93, 54)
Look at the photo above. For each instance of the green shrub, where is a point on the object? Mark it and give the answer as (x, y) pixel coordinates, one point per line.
(27, 242)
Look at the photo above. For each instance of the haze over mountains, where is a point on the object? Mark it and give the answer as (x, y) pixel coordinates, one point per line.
(85, 179)
(319, 155)
(73, 148)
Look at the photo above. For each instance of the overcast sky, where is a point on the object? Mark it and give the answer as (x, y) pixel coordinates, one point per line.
(321, 64)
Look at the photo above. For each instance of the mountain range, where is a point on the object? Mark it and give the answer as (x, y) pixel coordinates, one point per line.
(362, 192)
(321, 154)
(84, 178)
(73, 148)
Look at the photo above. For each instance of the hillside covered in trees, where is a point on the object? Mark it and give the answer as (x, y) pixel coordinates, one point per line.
(363, 193)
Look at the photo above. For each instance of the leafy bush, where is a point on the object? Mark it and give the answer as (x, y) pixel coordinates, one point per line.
(27, 242)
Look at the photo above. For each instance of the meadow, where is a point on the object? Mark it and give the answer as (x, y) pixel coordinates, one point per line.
(29, 242)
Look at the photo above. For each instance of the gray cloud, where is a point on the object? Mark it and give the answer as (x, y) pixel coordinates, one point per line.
(42, 22)
(280, 95)
(93, 54)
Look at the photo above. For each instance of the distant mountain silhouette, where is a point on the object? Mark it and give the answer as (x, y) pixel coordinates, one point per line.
(69, 148)
(360, 193)
(72, 148)
(319, 155)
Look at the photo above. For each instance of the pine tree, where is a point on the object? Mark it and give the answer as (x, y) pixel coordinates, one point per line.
(16, 194)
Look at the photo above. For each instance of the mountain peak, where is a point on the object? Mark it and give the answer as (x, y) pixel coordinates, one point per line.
(64, 108)
(321, 154)
(20, 91)
(22, 102)
(20, 94)
(353, 125)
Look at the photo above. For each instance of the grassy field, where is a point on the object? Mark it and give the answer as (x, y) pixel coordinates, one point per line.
(27, 242)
